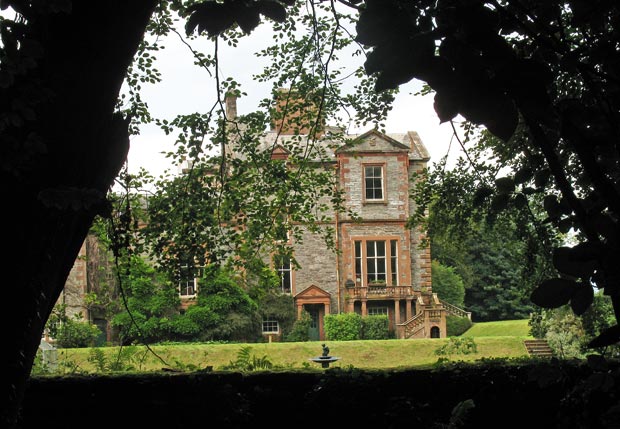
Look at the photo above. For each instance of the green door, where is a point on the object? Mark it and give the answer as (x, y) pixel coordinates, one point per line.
(102, 338)
(313, 330)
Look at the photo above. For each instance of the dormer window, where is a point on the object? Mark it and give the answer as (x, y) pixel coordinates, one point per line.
(373, 183)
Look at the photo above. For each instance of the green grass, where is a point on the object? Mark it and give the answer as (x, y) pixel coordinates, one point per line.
(511, 328)
(493, 339)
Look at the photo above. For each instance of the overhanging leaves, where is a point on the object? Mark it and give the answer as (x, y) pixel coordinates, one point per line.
(552, 206)
(541, 177)
(481, 195)
(519, 200)
(445, 106)
(500, 202)
(210, 17)
(582, 298)
(272, 10)
(577, 261)
(214, 18)
(505, 185)
(607, 337)
(523, 175)
(553, 293)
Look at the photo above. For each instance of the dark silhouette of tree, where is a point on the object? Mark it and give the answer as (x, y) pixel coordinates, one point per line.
(544, 77)
(62, 66)
(541, 75)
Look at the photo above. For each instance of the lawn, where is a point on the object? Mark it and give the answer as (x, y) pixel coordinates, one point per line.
(512, 328)
(493, 340)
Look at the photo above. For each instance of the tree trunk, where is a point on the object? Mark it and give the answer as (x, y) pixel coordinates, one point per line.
(51, 200)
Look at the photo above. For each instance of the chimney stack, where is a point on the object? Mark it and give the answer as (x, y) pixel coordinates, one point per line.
(294, 113)
(231, 106)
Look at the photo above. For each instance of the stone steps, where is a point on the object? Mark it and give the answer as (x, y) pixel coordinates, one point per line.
(538, 348)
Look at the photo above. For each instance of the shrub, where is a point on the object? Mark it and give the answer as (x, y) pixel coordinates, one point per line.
(278, 307)
(456, 326)
(375, 327)
(299, 331)
(457, 346)
(537, 323)
(565, 334)
(343, 327)
(75, 333)
(563, 331)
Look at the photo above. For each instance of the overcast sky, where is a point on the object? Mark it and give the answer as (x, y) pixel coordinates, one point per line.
(187, 89)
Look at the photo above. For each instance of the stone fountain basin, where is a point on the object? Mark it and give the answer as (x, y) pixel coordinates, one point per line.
(325, 360)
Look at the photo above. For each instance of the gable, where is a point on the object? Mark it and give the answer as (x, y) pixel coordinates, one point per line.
(279, 152)
(373, 141)
(313, 291)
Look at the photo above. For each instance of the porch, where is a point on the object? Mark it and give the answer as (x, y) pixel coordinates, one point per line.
(400, 302)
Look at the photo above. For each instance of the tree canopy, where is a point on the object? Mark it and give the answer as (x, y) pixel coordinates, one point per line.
(448, 284)
(502, 256)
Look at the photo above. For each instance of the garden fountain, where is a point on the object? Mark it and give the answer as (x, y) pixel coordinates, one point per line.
(325, 359)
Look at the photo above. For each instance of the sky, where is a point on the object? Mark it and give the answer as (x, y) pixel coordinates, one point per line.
(186, 88)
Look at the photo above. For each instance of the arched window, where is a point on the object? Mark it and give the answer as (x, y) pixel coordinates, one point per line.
(435, 332)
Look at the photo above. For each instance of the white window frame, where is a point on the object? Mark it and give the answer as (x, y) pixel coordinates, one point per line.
(377, 311)
(185, 281)
(361, 260)
(284, 272)
(269, 325)
(374, 260)
(373, 177)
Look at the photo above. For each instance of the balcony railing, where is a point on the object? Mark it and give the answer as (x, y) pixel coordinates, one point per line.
(382, 292)
(455, 311)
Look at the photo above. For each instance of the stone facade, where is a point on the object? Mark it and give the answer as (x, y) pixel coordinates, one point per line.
(381, 225)
(76, 286)
(380, 266)
(375, 171)
(91, 273)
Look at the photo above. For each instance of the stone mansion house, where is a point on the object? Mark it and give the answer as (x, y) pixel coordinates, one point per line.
(381, 266)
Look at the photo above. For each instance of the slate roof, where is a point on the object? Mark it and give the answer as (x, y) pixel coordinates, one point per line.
(409, 141)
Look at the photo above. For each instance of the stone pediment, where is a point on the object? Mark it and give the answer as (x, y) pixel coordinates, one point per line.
(279, 152)
(374, 141)
(313, 291)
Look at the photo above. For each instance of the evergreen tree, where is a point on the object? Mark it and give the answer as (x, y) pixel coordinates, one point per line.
(499, 290)
(447, 284)
(500, 256)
